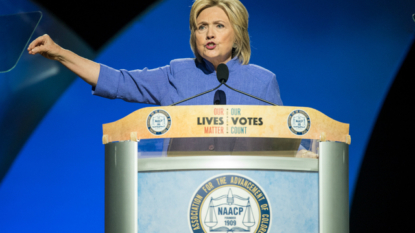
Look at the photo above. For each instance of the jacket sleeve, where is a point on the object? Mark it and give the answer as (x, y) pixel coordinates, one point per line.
(142, 86)
(273, 92)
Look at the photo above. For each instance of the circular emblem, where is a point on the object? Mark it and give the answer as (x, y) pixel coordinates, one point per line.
(158, 122)
(299, 122)
(229, 203)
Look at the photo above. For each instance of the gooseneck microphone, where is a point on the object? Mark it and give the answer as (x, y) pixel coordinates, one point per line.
(222, 75)
(224, 70)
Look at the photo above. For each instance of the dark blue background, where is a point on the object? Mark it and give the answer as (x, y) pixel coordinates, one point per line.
(339, 57)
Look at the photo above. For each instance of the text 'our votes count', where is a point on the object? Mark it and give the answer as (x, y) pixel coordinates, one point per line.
(234, 120)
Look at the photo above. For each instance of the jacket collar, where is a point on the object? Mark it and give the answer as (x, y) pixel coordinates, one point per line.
(233, 64)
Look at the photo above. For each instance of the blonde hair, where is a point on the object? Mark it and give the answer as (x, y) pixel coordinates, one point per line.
(238, 17)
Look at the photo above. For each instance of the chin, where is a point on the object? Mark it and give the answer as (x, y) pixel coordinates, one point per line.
(210, 57)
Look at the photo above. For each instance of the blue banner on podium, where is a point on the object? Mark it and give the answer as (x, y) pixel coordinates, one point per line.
(228, 201)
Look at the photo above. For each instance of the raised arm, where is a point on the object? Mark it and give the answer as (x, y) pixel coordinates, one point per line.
(86, 69)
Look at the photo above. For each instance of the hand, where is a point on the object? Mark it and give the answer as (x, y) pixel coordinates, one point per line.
(86, 69)
(306, 154)
(45, 46)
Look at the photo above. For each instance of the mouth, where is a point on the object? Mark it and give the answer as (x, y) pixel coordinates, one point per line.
(210, 45)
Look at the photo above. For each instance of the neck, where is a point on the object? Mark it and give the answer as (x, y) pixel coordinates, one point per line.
(216, 62)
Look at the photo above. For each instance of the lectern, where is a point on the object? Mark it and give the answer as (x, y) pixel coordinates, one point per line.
(226, 168)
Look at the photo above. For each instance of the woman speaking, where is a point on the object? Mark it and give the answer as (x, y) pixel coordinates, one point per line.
(218, 34)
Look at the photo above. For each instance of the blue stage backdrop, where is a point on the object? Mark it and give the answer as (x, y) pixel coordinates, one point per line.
(338, 57)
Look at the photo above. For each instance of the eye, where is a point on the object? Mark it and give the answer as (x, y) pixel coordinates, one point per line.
(201, 27)
(220, 26)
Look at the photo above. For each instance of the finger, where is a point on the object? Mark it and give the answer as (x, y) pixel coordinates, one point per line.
(301, 153)
(38, 49)
(37, 41)
(312, 155)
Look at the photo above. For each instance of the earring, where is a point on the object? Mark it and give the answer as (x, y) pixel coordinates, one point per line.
(234, 46)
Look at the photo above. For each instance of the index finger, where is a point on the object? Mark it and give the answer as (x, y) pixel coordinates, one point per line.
(35, 42)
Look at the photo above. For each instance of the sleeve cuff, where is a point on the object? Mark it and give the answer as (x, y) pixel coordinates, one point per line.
(107, 85)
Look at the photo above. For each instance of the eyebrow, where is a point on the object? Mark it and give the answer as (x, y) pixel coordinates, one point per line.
(214, 22)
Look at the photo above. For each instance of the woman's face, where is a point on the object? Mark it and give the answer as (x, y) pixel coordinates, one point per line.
(214, 36)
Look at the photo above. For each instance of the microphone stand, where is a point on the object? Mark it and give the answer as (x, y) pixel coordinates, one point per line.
(181, 101)
(249, 95)
(222, 76)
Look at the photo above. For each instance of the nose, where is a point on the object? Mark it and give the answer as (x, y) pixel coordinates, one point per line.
(210, 34)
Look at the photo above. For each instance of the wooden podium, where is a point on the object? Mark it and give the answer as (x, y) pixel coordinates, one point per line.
(227, 168)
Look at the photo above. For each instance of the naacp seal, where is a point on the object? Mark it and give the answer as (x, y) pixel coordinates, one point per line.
(299, 122)
(158, 122)
(229, 203)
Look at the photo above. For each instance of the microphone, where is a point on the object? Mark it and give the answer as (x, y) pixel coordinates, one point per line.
(220, 98)
(222, 74)
(223, 78)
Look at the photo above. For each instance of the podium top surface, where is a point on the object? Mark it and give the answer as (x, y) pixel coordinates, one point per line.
(226, 121)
